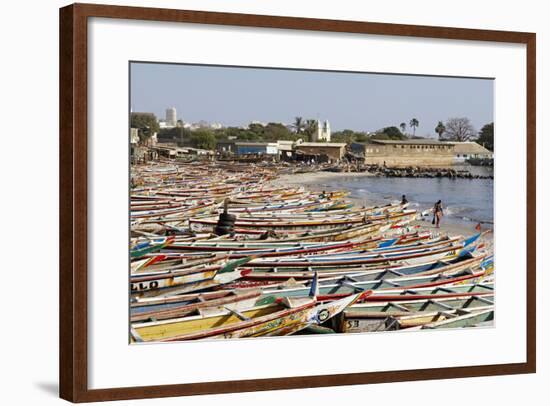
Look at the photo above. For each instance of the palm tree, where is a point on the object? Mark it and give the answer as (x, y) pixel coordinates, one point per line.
(440, 129)
(298, 125)
(414, 123)
(403, 127)
(310, 128)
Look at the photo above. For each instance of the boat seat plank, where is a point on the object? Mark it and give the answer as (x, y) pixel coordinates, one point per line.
(443, 305)
(237, 313)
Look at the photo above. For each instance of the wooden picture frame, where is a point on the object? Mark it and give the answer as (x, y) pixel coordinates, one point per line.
(74, 201)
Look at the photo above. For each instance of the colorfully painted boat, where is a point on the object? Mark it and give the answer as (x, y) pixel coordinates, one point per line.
(306, 312)
(294, 262)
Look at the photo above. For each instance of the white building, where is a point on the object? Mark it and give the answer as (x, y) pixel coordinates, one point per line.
(164, 124)
(171, 117)
(463, 151)
(323, 132)
(134, 136)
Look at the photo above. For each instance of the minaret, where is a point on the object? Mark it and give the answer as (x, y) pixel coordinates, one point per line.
(319, 132)
(326, 131)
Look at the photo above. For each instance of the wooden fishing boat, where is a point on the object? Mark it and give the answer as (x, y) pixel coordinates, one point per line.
(360, 274)
(470, 319)
(208, 243)
(194, 279)
(386, 289)
(384, 316)
(412, 257)
(160, 263)
(292, 255)
(299, 315)
(217, 280)
(229, 300)
(340, 289)
(294, 249)
(147, 247)
(176, 327)
(201, 224)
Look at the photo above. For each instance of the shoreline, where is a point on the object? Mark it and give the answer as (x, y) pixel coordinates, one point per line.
(315, 182)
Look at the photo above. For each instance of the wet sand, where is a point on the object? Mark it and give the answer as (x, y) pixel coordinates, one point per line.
(316, 178)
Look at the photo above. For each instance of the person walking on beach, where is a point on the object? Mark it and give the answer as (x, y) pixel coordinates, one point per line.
(438, 213)
(404, 199)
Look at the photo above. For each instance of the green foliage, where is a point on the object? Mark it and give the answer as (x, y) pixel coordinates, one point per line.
(310, 129)
(203, 138)
(231, 132)
(440, 129)
(258, 132)
(349, 136)
(206, 138)
(388, 133)
(146, 123)
(278, 131)
(175, 134)
(486, 136)
(394, 133)
(414, 123)
(298, 125)
(361, 137)
(380, 136)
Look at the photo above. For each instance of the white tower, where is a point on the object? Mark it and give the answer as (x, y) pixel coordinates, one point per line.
(323, 131)
(326, 131)
(318, 135)
(171, 117)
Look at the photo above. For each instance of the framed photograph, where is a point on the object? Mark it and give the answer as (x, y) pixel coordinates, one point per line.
(254, 202)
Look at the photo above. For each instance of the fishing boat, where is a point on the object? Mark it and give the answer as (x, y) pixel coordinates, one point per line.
(468, 261)
(299, 314)
(194, 279)
(243, 224)
(385, 316)
(338, 289)
(483, 317)
(294, 261)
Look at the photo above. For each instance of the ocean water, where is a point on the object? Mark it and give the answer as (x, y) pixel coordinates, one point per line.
(464, 200)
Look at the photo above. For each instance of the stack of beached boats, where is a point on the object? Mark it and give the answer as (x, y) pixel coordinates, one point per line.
(298, 262)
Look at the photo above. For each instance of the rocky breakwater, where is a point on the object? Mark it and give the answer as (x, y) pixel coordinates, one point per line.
(424, 172)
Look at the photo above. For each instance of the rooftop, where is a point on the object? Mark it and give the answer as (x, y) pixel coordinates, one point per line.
(426, 141)
(321, 144)
(470, 147)
(256, 144)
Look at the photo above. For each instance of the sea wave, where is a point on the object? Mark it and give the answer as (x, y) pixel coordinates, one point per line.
(455, 211)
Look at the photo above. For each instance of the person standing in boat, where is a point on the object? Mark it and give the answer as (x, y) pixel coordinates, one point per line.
(438, 213)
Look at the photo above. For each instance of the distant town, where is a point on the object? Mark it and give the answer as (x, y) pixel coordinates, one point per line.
(311, 141)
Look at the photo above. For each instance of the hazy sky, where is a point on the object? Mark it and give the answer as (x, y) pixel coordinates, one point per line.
(358, 101)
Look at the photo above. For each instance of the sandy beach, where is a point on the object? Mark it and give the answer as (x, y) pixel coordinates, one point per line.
(316, 179)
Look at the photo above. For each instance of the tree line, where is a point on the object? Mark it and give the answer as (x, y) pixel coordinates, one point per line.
(458, 129)
(385, 133)
(454, 129)
(461, 129)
